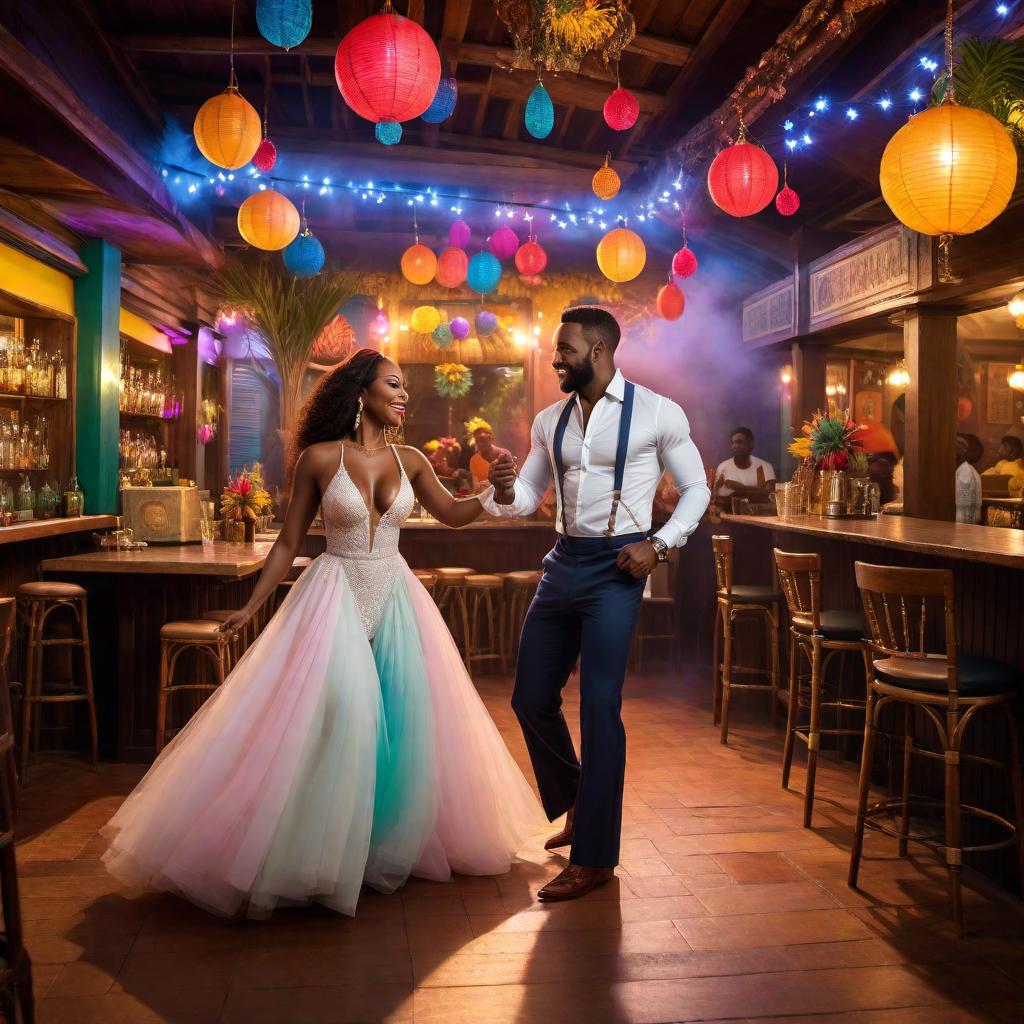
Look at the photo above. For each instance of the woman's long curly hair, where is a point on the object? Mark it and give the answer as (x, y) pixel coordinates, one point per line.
(330, 411)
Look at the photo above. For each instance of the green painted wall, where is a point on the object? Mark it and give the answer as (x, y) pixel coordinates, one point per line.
(98, 308)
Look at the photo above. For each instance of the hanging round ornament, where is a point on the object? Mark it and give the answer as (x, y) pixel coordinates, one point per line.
(284, 23)
(268, 220)
(459, 328)
(606, 183)
(419, 264)
(387, 67)
(227, 128)
(265, 156)
(442, 336)
(621, 255)
(621, 109)
(540, 112)
(684, 263)
(503, 243)
(671, 302)
(787, 202)
(459, 234)
(442, 106)
(531, 259)
(743, 178)
(305, 256)
(484, 272)
(452, 266)
(388, 133)
(424, 319)
(486, 323)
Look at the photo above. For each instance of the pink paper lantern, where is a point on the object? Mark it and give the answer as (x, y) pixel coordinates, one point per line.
(265, 156)
(459, 234)
(621, 110)
(503, 243)
(684, 263)
(787, 202)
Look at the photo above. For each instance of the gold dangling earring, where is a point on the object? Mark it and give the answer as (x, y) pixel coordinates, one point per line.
(359, 415)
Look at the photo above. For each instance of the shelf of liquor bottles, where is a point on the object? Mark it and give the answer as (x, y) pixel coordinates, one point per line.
(150, 403)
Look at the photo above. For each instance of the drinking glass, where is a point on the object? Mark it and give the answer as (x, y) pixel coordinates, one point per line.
(208, 530)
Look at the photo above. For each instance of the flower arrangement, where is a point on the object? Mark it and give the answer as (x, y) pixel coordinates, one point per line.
(431, 446)
(452, 380)
(245, 497)
(829, 441)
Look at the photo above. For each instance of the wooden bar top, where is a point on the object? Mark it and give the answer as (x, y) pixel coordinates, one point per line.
(37, 529)
(945, 540)
(217, 559)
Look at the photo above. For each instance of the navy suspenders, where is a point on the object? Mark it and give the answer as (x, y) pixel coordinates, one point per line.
(625, 419)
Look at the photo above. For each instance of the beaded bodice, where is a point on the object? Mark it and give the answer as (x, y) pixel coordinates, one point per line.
(367, 546)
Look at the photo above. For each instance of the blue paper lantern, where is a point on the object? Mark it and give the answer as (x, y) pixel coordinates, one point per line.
(442, 336)
(388, 132)
(443, 104)
(486, 323)
(484, 272)
(284, 23)
(540, 113)
(305, 256)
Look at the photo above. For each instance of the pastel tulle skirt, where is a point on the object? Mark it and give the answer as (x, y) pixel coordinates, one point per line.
(325, 762)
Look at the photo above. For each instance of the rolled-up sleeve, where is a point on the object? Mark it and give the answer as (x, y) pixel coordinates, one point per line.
(531, 483)
(680, 457)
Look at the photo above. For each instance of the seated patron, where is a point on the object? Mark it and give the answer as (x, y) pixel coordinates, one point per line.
(744, 475)
(1010, 463)
(486, 452)
(881, 467)
(968, 485)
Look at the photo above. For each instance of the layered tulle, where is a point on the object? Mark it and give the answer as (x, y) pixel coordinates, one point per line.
(324, 762)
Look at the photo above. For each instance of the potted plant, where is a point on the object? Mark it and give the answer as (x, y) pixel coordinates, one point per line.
(243, 502)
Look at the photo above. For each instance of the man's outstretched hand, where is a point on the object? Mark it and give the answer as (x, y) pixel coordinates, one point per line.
(502, 475)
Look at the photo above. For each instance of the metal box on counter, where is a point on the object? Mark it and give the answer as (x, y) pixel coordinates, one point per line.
(162, 515)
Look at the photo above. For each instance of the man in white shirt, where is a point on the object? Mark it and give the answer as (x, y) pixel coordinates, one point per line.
(739, 475)
(968, 485)
(605, 449)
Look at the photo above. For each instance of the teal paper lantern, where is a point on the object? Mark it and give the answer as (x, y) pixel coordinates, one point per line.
(540, 113)
(305, 256)
(284, 23)
(388, 132)
(443, 104)
(442, 336)
(484, 272)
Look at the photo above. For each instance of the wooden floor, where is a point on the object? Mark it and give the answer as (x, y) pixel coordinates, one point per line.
(724, 909)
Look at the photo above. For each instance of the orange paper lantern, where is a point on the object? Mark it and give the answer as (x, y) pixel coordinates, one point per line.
(227, 129)
(452, 265)
(671, 301)
(419, 264)
(621, 255)
(606, 183)
(268, 220)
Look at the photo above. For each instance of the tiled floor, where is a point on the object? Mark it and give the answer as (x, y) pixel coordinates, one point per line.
(724, 908)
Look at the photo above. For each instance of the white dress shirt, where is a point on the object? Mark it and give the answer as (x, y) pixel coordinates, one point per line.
(659, 439)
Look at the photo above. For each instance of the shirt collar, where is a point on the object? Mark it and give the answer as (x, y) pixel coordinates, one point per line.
(617, 388)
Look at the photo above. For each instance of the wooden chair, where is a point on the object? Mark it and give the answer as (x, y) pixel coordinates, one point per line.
(427, 578)
(660, 605)
(820, 636)
(485, 596)
(40, 601)
(736, 601)
(450, 598)
(905, 665)
(520, 588)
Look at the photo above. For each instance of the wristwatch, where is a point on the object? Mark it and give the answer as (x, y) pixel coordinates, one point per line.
(660, 548)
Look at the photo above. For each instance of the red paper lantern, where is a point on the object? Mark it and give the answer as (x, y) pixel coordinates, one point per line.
(387, 68)
(671, 301)
(684, 263)
(503, 243)
(531, 259)
(787, 202)
(742, 179)
(621, 110)
(265, 156)
(964, 408)
(452, 265)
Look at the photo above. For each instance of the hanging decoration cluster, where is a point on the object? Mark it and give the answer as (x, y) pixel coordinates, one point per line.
(452, 380)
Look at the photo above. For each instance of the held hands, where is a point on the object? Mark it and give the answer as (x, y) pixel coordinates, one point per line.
(638, 559)
(502, 475)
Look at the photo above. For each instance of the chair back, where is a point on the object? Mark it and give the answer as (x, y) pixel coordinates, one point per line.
(663, 579)
(910, 613)
(800, 576)
(721, 547)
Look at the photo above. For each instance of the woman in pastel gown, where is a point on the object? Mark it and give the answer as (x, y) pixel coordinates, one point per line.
(348, 746)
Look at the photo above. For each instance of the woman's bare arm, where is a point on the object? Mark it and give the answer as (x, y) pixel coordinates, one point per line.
(434, 496)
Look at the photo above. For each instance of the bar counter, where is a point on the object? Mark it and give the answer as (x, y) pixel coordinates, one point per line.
(37, 529)
(219, 559)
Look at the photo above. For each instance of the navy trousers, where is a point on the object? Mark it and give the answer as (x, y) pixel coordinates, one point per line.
(586, 608)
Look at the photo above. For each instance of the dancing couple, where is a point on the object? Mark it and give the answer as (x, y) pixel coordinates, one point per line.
(348, 746)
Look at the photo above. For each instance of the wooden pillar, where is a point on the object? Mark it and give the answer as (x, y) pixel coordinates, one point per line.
(98, 421)
(808, 386)
(929, 457)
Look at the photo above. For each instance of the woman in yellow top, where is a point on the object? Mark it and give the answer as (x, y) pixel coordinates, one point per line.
(1010, 463)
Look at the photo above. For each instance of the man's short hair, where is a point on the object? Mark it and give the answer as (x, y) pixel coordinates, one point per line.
(745, 431)
(1014, 442)
(597, 324)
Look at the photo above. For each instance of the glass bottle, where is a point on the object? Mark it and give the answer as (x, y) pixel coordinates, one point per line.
(60, 385)
(25, 500)
(74, 500)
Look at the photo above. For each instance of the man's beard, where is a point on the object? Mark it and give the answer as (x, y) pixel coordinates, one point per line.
(576, 377)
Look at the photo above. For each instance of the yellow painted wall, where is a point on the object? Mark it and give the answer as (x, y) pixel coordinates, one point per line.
(36, 282)
(135, 327)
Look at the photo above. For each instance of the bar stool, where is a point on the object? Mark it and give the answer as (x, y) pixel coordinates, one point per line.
(450, 597)
(735, 601)
(238, 642)
(660, 603)
(427, 578)
(520, 588)
(39, 601)
(949, 689)
(205, 638)
(820, 635)
(486, 606)
(8, 616)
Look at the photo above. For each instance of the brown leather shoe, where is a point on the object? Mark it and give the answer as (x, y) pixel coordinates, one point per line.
(563, 838)
(575, 881)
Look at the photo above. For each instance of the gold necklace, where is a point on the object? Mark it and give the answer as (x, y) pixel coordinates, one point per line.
(368, 452)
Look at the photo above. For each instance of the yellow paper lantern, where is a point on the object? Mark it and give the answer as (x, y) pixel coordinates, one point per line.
(621, 255)
(419, 264)
(424, 319)
(268, 220)
(950, 170)
(606, 183)
(227, 129)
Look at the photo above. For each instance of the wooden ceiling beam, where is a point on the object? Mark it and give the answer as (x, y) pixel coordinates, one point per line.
(456, 20)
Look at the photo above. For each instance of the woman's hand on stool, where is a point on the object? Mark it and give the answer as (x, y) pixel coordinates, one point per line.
(236, 620)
